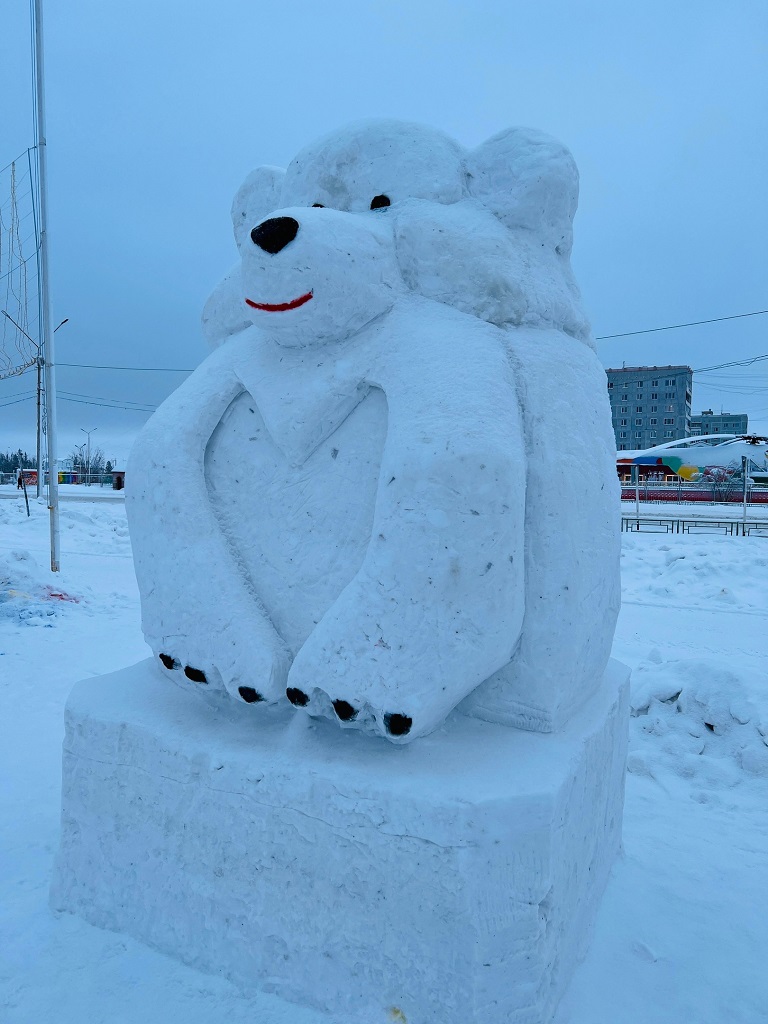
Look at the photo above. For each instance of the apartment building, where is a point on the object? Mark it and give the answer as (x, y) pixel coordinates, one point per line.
(708, 422)
(649, 404)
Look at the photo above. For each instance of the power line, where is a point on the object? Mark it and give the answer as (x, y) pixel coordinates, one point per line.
(736, 362)
(104, 405)
(21, 264)
(143, 369)
(16, 160)
(4, 405)
(102, 398)
(674, 327)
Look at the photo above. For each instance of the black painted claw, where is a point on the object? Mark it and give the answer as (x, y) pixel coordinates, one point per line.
(168, 661)
(249, 695)
(344, 710)
(195, 674)
(298, 698)
(398, 725)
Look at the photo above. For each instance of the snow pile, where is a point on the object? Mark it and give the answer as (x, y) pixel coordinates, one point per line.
(698, 571)
(29, 593)
(26, 595)
(696, 719)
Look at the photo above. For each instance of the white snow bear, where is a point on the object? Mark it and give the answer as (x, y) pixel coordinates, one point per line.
(391, 488)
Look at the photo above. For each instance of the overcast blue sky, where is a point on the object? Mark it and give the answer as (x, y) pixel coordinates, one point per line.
(158, 108)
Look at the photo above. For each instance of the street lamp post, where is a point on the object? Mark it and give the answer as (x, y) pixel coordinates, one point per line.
(88, 470)
(80, 448)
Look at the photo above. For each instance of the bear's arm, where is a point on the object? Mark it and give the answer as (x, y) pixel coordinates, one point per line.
(437, 604)
(197, 605)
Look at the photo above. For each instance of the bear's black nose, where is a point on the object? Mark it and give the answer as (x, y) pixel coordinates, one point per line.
(274, 234)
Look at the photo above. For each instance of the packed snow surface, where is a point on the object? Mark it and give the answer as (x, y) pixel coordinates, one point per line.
(681, 934)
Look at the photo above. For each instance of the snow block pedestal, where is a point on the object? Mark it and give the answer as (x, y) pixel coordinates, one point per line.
(450, 881)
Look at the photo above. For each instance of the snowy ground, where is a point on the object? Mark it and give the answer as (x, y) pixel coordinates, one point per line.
(682, 934)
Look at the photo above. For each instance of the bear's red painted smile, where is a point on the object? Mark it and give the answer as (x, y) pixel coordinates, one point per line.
(280, 306)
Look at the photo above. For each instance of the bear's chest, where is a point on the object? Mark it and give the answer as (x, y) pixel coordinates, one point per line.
(299, 532)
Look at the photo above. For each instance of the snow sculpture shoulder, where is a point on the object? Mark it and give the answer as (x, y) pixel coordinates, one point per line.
(391, 488)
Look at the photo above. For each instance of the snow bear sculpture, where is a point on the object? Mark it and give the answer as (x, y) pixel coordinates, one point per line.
(391, 488)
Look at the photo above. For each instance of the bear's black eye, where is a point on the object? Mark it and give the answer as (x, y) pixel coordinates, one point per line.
(379, 202)
(318, 205)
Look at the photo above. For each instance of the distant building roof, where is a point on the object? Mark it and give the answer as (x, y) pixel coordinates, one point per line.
(619, 369)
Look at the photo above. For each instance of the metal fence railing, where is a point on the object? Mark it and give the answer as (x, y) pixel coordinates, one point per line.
(727, 528)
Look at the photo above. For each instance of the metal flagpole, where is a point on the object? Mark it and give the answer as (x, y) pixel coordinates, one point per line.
(46, 333)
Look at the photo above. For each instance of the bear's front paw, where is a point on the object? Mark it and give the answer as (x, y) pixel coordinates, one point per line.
(395, 725)
(195, 674)
(356, 691)
(255, 676)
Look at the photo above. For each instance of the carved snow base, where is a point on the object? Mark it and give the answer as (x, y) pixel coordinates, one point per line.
(454, 880)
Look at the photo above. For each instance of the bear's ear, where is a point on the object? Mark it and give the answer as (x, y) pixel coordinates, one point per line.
(529, 180)
(257, 196)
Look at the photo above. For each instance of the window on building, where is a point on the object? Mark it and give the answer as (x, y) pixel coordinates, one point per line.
(638, 433)
(653, 423)
(622, 433)
(670, 420)
(654, 395)
(638, 422)
(653, 433)
(610, 385)
(622, 447)
(654, 383)
(669, 382)
(625, 408)
(669, 408)
(638, 408)
(622, 423)
(654, 408)
(669, 394)
(639, 383)
(667, 433)
(625, 384)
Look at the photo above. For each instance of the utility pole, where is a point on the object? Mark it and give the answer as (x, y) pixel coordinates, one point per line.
(88, 471)
(46, 333)
(39, 490)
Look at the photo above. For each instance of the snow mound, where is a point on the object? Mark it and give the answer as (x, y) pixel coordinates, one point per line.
(25, 594)
(695, 719)
(725, 573)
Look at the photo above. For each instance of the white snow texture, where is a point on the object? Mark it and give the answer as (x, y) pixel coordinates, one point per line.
(359, 497)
